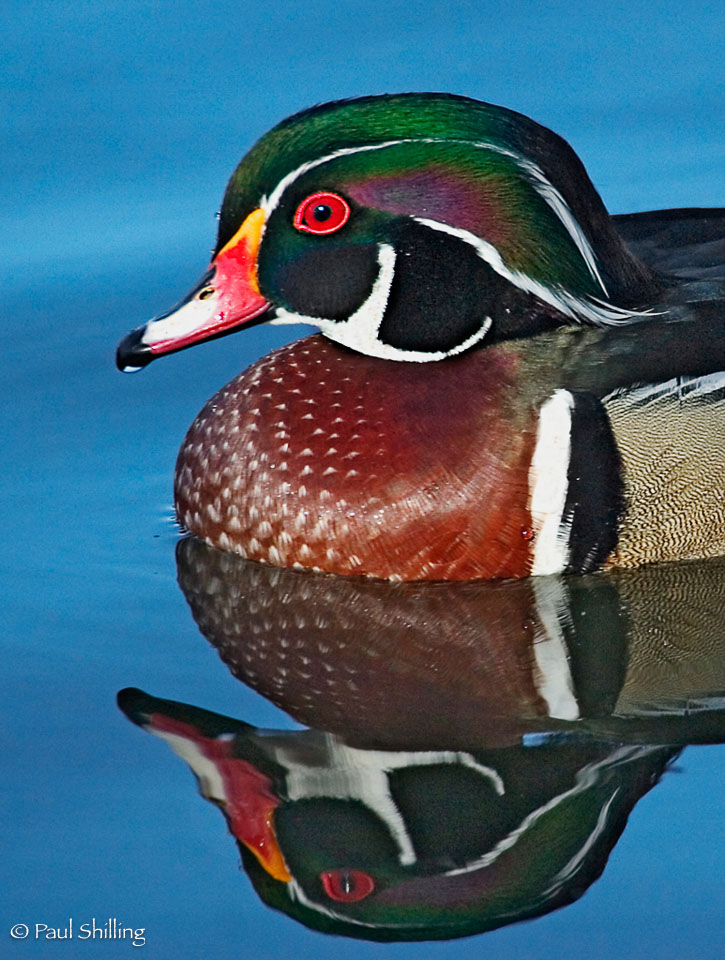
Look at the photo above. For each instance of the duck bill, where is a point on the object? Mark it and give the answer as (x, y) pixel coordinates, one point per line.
(245, 794)
(226, 298)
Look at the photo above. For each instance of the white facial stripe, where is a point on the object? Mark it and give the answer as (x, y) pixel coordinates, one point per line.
(549, 484)
(360, 331)
(596, 311)
(558, 204)
(297, 893)
(586, 778)
(486, 251)
(548, 192)
(573, 865)
(269, 204)
(543, 186)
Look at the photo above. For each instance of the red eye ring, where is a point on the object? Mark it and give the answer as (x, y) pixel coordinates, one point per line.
(322, 213)
(347, 886)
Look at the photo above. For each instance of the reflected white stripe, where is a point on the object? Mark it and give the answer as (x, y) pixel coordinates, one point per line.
(348, 773)
(552, 676)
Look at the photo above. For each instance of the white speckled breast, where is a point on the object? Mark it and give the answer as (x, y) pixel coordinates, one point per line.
(321, 458)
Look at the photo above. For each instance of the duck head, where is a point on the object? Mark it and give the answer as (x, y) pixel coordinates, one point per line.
(408, 227)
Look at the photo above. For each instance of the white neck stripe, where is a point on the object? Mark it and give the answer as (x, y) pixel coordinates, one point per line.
(360, 331)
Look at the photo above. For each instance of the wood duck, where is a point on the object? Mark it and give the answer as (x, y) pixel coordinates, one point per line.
(407, 845)
(556, 404)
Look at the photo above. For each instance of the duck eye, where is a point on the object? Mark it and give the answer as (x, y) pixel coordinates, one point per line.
(322, 213)
(347, 886)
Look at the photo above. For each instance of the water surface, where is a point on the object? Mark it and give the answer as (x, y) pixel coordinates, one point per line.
(126, 120)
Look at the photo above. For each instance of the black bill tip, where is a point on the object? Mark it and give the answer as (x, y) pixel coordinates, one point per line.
(132, 353)
(137, 705)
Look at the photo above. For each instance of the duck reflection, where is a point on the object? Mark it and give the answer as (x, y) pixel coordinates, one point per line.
(638, 655)
(408, 845)
(477, 748)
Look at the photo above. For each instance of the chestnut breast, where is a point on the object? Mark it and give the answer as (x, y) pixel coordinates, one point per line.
(321, 458)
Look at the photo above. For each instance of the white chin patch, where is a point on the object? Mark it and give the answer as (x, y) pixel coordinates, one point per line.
(360, 332)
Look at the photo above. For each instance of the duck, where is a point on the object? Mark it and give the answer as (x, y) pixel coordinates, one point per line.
(507, 381)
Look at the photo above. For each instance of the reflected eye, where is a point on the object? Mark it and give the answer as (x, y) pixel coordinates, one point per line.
(322, 213)
(347, 886)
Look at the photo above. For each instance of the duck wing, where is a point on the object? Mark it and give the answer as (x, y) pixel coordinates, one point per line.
(671, 440)
(688, 243)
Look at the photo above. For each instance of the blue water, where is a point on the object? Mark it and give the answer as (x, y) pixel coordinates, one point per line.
(122, 122)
